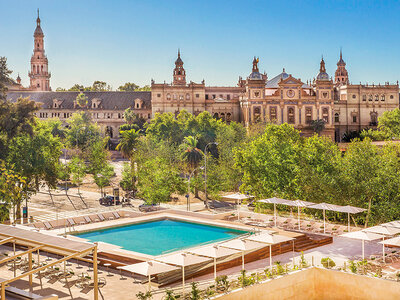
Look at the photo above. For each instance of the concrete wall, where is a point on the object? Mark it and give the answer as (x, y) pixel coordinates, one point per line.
(317, 283)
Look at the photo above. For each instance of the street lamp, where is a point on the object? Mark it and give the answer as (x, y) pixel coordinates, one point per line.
(205, 171)
(187, 195)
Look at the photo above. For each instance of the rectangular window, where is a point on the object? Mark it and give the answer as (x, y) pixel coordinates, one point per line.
(273, 114)
(228, 97)
(206, 96)
(197, 95)
(354, 119)
(158, 95)
(308, 115)
(364, 97)
(291, 117)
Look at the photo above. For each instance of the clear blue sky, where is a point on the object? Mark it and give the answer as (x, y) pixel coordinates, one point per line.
(119, 41)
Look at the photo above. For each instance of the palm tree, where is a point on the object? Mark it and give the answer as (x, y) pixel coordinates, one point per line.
(191, 155)
(128, 141)
(318, 125)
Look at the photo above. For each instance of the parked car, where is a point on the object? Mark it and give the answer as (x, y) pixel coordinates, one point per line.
(109, 200)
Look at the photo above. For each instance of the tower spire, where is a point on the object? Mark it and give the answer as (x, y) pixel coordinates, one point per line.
(38, 18)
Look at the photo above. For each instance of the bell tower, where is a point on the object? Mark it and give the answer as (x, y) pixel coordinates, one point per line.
(341, 74)
(39, 74)
(179, 71)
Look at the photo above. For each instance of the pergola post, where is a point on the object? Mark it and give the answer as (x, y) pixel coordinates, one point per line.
(96, 280)
(3, 291)
(15, 271)
(30, 268)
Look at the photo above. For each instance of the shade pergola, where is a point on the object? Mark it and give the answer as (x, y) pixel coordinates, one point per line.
(300, 203)
(350, 210)
(148, 269)
(214, 251)
(392, 224)
(364, 236)
(275, 201)
(392, 242)
(182, 260)
(267, 238)
(326, 206)
(384, 230)
(241, 245)
(238, 197)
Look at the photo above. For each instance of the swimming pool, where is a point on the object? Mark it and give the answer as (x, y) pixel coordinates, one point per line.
(162, 236)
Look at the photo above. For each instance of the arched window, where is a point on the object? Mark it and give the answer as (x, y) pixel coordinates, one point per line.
(228, 117)
(383, 98)
(370, 98)
(174, 96)
(291, 118)
(180, 97)
(337, 118)
(376, 97)
(223, 117)
(187, 97)
(216, 116)
(42, 68)
(38, 85)
(364, 97)
(168, 96)
(34, 69)
(325, 114)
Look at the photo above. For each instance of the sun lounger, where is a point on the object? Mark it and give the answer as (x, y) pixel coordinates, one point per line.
(87, 219)
(116, 215)
(47, 225)
(71, 222)
(101, 217)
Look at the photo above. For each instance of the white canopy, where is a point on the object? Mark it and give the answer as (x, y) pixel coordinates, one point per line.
(275, 200)
(214, 251)
(238, 196)
(242, 245)
(385, 230)
(182, 259)
(269, 238)
(352, 209)
(300, 203)
(392, 242)
(392, 224)
(364, 236)
(148, 268)
(326, 206)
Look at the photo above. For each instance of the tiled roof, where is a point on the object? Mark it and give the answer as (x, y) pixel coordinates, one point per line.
(109, 100)
(273, 83)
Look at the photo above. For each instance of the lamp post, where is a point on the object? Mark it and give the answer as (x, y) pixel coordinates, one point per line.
(205, 171)
(187, 196)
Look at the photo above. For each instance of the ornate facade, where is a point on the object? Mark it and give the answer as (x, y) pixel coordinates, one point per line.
(341, 105)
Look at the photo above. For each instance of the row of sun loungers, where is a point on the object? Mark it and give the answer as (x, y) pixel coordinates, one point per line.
(292, 224)
(71, 222)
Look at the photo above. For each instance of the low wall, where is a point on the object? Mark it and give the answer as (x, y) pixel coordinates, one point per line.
(317, 283)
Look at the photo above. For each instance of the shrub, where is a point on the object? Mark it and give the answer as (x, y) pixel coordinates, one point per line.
(353, 266)
(327, 262)
(222, 283)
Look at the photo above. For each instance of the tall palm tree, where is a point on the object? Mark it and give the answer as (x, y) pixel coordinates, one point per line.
(127, 144)
(191, 155)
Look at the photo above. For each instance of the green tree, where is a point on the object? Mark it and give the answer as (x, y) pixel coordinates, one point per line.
(191, 155)
(318, 125)
(5, 78)
(100, 86)
(145, 88)
(158, 180)
(389, 123)
(269, 162)
(82, 132)
(102, 177)
(133, 120)
(76, 88)
(128, 87)
(12, 190)
(78, 171)
(128, 180)
(97, 156)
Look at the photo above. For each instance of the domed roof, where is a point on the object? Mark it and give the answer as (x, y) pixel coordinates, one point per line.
(38, 31)
(255, 76)
(323, 76)
(179, 61)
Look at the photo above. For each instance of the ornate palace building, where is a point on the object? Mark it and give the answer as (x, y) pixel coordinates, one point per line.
(343, 106)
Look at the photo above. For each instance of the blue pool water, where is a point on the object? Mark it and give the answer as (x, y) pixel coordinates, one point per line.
(162, 236)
